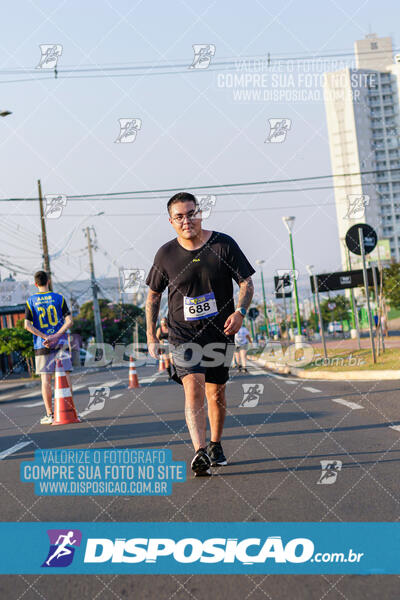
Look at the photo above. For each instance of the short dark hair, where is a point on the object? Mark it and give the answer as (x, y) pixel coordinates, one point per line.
(41, 278)
(181, 197)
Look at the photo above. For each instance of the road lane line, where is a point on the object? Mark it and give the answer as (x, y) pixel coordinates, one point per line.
(256, 372)
(7, 397)
(90, 410)
(352, 405)
(152, 378)
(312, 390)
(395, 427)
(33, 404)
(13, 449)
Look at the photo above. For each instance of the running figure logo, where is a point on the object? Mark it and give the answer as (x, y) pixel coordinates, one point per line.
(206, 203)
(98, 397)
(330, 470)
(128, 130)
(54, 205)
(132, 278)
(278, 130)
(50, 55)
(62, 547)
(203, 54)
(251, 394)
(356, 206)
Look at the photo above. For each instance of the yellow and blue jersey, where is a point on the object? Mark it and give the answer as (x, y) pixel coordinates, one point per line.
(47, 311)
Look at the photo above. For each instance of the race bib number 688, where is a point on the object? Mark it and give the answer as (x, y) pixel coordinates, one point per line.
(199, 307)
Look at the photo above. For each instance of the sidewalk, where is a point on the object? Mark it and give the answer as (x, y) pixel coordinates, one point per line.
(284, 369)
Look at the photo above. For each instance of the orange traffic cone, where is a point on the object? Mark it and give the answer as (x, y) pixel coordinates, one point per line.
(64, 408)
(133, 378)
(162, 363)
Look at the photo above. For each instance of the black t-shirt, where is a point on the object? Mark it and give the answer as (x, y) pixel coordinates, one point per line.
(200, 290)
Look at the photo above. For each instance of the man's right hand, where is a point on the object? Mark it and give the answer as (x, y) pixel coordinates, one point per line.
(153, 347)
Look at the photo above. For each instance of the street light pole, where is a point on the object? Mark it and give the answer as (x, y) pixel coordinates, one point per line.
(310, 272)
(260, 262)
(289, 221)
(96, 309)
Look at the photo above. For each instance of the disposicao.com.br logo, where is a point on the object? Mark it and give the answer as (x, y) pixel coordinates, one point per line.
(247, 551)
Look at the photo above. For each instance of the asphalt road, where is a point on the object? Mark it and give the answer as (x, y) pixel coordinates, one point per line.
(274, 451)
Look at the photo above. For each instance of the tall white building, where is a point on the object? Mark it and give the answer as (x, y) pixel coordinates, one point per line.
(362, 109)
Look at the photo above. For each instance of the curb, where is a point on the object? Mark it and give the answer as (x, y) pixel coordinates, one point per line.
(16, 387)
(283, 369)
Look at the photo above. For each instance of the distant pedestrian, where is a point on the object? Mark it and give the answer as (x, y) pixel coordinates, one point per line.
(242, 339)
(48, 318)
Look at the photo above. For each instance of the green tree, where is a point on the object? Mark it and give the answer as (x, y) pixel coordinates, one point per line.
(391, 285)
(17, 339)
(118, 322)
(339, 313)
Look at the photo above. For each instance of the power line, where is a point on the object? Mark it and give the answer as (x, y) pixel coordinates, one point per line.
(113, 195)
(157, 67)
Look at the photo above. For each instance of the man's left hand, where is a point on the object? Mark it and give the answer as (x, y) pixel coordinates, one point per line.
(233, 323)
(50, 340)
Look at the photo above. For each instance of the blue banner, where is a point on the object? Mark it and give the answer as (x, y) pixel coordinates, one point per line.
(214, 548)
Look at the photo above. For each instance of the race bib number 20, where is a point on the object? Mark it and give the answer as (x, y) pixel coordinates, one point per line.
(199, 307)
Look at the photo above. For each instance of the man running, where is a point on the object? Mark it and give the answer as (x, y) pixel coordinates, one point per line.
(47, 317)
(198, 267)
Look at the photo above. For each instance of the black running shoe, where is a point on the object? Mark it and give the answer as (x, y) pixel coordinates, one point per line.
(201, 463)
(216, 454)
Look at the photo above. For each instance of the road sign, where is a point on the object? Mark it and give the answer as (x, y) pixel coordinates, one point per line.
(353, 241)
(253, 313)
(282, 282)
(342, 280)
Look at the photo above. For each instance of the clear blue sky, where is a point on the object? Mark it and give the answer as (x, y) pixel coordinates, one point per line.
(193, 131)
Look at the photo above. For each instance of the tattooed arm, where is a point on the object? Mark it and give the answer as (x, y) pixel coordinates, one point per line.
(246, 291)
(152, 309)
(235, 320)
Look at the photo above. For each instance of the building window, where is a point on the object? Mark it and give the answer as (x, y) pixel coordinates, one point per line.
(374, 45)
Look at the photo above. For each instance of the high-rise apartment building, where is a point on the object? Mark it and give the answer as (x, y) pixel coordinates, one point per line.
(362, 108)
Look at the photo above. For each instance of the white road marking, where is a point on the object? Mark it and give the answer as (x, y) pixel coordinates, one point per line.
(90, 410)
(30, 394)
(13, 449)
(152, 378)
(7, 396)
(312, 390)
(395, 427)
(352, 405)
(256, 372)
(33, 404)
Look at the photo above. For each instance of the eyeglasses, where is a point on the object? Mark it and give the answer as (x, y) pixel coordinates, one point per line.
(191, 215)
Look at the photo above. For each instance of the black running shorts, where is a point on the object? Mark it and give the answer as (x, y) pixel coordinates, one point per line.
(214, 362)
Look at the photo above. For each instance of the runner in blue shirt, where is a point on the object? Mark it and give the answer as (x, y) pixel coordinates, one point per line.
(48, 318)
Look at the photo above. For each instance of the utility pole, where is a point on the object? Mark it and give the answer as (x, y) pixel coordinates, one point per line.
(371, 333)
(96, 309)
(46, 258)
(354, 314)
